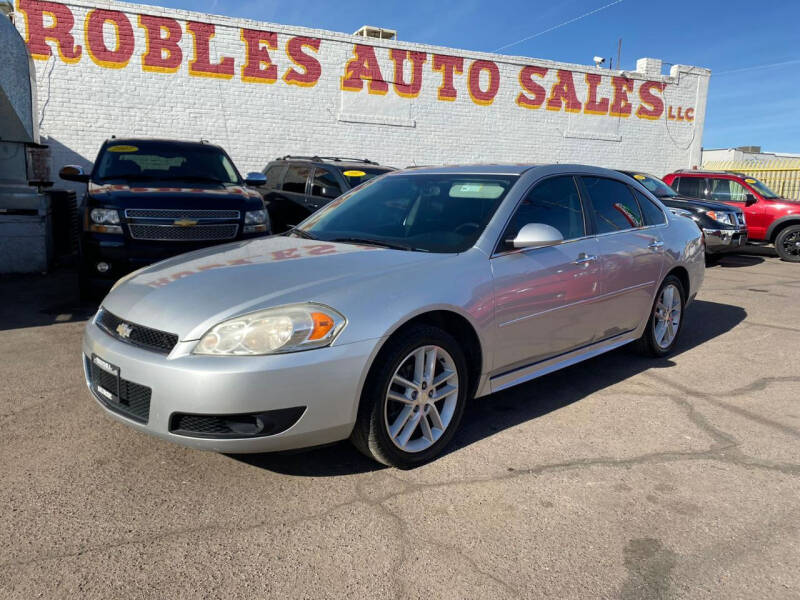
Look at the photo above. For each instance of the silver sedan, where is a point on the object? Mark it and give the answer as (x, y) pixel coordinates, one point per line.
(380, 316)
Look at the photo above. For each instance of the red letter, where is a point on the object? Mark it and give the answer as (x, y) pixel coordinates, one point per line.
(364, 65)
(60, 32)
(594, 106)
(258, 67)
(563, 93)
(621, 107)
(449, 66)
(201, 65)
(120, 56)
(162, 54)
(647, 97)
(474, 82)
(312, 70)
(529, 85)
(407, 90)
(689, 114)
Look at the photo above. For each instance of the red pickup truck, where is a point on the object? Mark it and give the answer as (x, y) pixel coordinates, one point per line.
(770, 218)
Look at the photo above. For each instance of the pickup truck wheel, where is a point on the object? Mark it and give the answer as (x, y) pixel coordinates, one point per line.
(413, 399)
(666, 319)
(787, 243)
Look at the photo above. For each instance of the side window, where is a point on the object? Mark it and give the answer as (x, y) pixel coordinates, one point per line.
(727, 190)
(295, 180)
(274, 175)
(690, 186)
(554, 202)
(614, 206)
(653, 215)
(325, 184)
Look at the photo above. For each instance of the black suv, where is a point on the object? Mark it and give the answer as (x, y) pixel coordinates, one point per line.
(724, 227)
(150, 199)
(299, 185)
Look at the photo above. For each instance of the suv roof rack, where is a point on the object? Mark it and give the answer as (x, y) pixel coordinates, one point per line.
(706, 171)
(329, 158)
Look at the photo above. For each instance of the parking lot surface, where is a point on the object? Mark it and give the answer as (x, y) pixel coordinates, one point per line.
(621, 477)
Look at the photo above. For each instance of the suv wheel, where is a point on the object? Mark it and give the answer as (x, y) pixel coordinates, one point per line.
(666, 319)
(788, 243)
(413, 399)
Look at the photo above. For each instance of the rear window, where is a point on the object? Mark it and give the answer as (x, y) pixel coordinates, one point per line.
(690, 186)
(615, 208)
(358, 175)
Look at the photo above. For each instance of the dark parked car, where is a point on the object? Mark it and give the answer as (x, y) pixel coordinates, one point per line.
(724, 227)
(300, 185)
(150, 199)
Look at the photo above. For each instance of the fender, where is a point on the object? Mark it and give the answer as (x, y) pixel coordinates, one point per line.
(778, 224)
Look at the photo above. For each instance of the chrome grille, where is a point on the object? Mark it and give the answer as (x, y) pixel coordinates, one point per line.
(172, 233)
(173, 214)
(139, 335)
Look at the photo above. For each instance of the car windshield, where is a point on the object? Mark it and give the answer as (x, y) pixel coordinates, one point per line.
(657, 187)
(424, 212)
(358, 175)
(762, 189)
(165, 162)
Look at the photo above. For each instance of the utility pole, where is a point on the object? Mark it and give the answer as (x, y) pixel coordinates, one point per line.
(619, 52)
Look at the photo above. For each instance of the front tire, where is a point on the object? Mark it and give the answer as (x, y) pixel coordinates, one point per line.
(413, 398)
(787, 244)
(666, 319)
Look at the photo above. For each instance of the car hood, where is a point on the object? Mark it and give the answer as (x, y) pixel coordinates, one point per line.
(688, 202)
(189, 294)
(198, 197)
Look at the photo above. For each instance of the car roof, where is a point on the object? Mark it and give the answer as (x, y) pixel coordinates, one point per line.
(164, 141)
(512, 169)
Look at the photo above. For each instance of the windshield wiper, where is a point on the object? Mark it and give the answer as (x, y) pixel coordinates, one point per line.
(300, 233)
(380, 243)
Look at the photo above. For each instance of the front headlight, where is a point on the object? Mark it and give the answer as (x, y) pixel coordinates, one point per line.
(273, 331)
(104, 216)
(104, 220)
(256, 221)
(726, 218)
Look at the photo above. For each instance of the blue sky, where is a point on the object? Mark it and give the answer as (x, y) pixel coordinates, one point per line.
(749, 103)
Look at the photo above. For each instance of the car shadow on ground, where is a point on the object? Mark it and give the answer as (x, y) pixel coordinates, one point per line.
(36, 300)
(491, 414)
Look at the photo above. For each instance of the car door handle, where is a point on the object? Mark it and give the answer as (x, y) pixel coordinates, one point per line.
(584, 259)
(655, 245)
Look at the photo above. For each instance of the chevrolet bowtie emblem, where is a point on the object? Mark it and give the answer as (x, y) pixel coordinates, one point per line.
(184, 223)
(124, 330)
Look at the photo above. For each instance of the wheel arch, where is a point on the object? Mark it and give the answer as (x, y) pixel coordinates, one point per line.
(779, 225)
(456, 324)
(683, 276)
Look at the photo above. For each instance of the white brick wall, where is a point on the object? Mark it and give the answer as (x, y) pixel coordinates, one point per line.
(82, 104)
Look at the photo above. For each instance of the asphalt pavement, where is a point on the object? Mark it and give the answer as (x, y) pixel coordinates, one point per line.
(621, 477)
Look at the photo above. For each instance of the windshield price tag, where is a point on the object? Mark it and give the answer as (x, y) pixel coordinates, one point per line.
(123, 149)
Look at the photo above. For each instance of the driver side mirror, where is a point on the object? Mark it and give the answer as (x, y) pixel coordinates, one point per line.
(255, 179)
(750, 200)
(73, 173)
(537, 235)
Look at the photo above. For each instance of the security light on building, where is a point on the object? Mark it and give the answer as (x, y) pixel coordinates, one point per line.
(376, 32)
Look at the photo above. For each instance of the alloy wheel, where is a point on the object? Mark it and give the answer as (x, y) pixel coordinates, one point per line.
(667, 316)
(791, 244)
(421, 399)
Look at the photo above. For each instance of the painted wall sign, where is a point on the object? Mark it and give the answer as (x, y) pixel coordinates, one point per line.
(107, 38)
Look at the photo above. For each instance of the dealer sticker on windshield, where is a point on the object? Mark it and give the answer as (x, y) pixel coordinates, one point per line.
(354, 173)
(640, 177)
(750, 181)
(123, 149)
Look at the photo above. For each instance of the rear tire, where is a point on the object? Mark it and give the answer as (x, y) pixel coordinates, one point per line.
(666, 319)
(400, 422)
(787, 244)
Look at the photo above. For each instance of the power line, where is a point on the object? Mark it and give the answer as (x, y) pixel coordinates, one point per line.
(583, 16)
(756, 67)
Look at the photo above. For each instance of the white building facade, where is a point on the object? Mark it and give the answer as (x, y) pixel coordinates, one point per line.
(263, 90)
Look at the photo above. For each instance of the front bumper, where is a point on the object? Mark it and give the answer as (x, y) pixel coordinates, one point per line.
(719, 241)
(326, 381)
